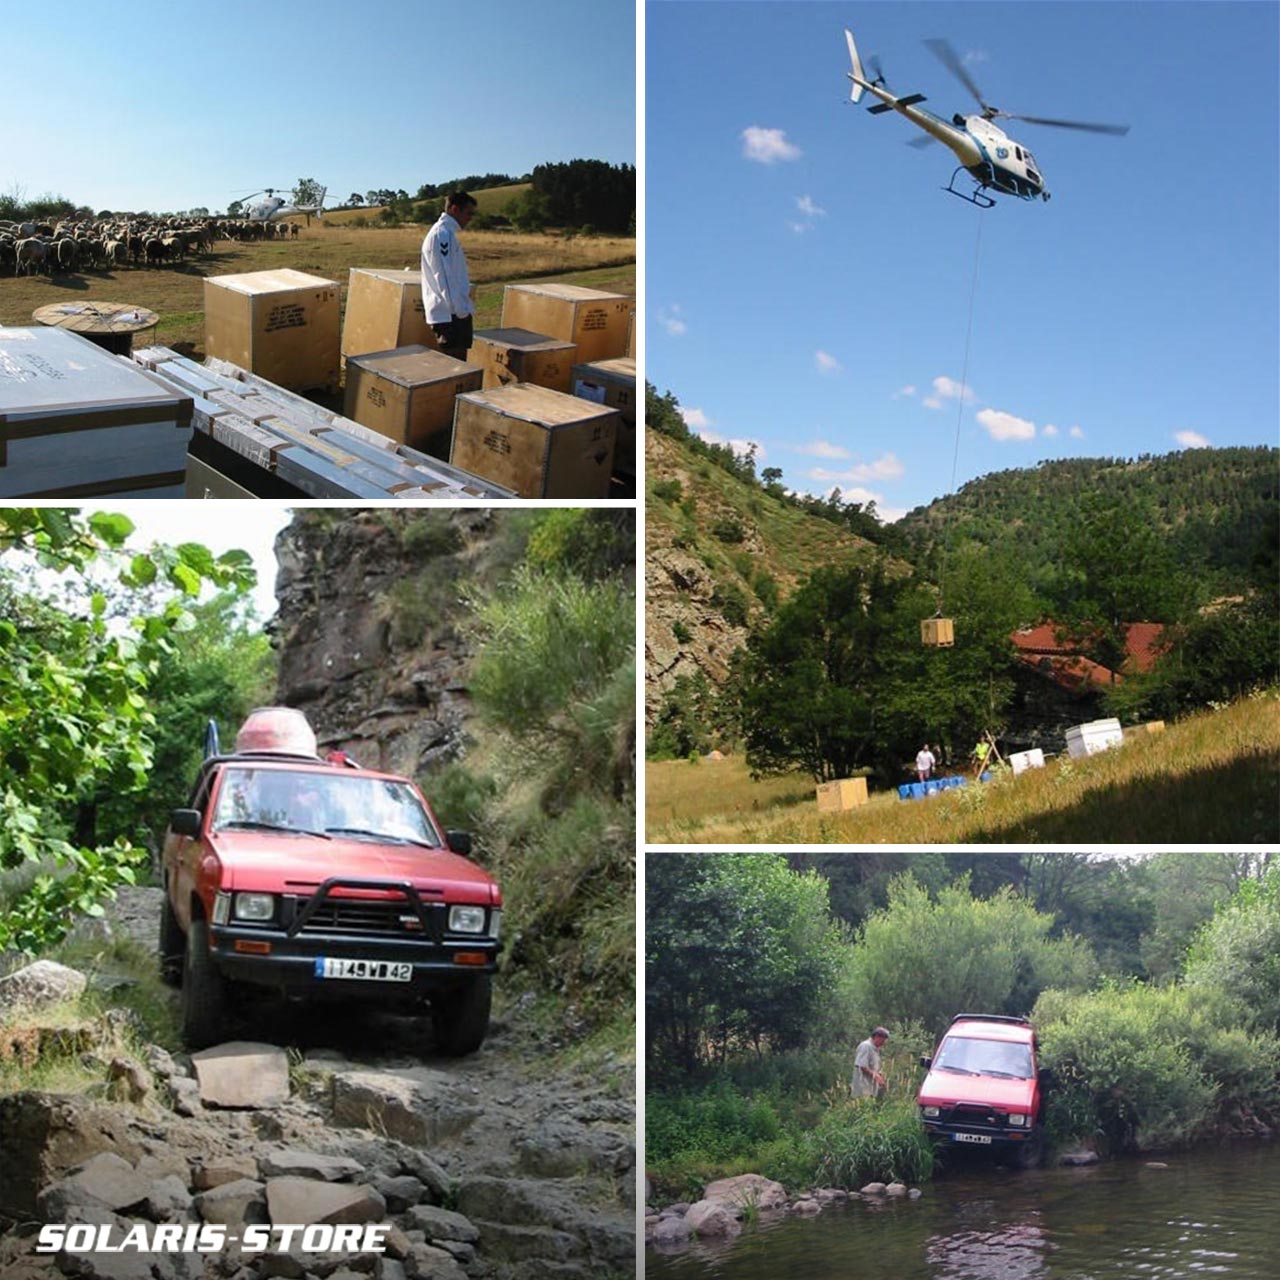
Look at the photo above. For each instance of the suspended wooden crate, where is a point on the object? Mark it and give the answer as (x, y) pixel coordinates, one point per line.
(938, 633)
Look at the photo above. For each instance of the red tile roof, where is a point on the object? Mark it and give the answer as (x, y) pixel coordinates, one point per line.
(1040, 648)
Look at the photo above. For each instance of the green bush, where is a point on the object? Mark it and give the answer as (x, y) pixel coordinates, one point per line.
(727, 529)
(866, 1139)
(681, 633)
(667, 490)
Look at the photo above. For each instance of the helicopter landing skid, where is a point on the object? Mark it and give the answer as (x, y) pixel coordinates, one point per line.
(975, 197)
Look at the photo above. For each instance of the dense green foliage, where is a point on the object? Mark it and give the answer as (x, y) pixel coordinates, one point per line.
(925, 958)
(75, 721)
(588, 193)
(740, 952)
(549, 786)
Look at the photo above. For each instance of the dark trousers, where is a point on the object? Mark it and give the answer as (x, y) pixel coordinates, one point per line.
(453, 338)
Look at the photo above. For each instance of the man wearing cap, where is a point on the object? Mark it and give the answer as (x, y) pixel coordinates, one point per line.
(868, 1080)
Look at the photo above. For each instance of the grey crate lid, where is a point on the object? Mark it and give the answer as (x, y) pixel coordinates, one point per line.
(51, 372)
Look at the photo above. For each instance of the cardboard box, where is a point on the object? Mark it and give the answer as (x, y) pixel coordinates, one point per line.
(78, 422)
(940, 633)
(595, 322)
(843, 793)
(613, 383)
(384, 311)
(408, 394)
(541, 443)
(280, 324)
(520, 355)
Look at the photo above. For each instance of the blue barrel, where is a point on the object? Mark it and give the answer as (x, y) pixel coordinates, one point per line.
(904, 791)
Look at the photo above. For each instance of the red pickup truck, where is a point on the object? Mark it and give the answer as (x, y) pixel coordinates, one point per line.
(984, 1087)
(321, 879)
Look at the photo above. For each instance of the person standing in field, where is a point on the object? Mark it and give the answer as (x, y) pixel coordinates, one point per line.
(446, 283)
(924, 763)
(868, 1080)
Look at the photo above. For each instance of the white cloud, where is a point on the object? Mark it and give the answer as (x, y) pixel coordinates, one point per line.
(808, 208)
(694, 418)
(740, 446)
(945, 388)
(908, 390)
(826, 363)
(821, 449)
(1191, 440)
(886, 468)
(768, 145)
(931, 402)
(670, 319)
(1049, 430)
(799, 227)
(1005, 426)
(1076, 433)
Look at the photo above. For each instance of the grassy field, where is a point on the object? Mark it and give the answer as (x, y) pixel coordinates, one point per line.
(176, 293)
(1213, 778)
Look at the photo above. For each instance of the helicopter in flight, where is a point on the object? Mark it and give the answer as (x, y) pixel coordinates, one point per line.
(276, 206)
(995, 161)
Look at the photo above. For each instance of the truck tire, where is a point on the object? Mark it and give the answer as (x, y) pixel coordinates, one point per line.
(1029, 1154)
(460, 1018)
(202, 991)
(172, 945)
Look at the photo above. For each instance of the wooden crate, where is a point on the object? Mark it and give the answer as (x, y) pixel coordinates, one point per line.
(520, 355)
(408, 394)
(541, 443)
(384, 311)
(78, 422)
(843, 793)
(938, 633)
(613, 383)
(595, 322)
(282, 325)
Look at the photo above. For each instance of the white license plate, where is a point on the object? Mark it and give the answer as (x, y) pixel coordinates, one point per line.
(982, 1139)
(374, 970)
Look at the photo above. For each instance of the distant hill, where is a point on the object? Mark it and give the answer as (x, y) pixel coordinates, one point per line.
(489, 200)
(1211, 504)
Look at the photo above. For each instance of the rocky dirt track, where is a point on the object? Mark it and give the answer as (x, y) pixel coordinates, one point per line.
(492, 1166)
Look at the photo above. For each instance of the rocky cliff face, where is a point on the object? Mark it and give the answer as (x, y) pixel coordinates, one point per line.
(371, 630)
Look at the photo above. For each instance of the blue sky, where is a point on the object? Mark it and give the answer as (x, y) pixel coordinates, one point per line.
(808, 282)
(174, 105)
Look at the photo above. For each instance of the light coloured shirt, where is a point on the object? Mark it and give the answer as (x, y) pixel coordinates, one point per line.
(446, 283)
(924, 761)
(867, 1056)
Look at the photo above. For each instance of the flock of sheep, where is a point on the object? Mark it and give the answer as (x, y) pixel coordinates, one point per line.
(29, 248)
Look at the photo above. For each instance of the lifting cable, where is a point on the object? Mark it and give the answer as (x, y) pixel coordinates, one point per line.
(964, 391)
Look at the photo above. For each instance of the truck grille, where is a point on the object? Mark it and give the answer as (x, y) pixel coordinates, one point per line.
(358, 916)
(975, 1117)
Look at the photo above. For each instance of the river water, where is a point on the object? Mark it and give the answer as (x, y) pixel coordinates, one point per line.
(1213, 1212)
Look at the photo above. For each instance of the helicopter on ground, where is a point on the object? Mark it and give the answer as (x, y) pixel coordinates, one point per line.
(276, 206)
(995, 161)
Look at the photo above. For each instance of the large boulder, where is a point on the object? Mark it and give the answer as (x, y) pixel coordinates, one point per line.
(105, 1181)
(712, 1218)
(242, 1074)
(415, 1106)
(307, 1201)
(747, 1190)
(442, 1224)
(293, 1162)
(233, 1203)
(39, 986)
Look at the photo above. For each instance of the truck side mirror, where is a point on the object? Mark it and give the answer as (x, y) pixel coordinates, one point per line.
(1046, 1077)
(925, 1061)
(185, 822)
(459, 842)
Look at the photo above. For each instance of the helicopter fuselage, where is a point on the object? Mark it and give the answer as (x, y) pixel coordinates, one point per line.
(985, 151)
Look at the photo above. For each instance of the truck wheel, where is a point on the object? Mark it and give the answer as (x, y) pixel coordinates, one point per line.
(461, 1018)
(1029, 1153)
(172, 943)
(202, 991)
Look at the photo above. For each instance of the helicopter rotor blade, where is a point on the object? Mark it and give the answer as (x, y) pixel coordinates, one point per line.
(923, 141)
(942, 50)
(1116, 129)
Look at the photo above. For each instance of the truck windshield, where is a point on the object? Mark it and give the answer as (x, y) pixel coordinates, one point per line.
(318, 803)
(984, 1057)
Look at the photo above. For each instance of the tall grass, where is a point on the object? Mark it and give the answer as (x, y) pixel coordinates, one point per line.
(1213, 778)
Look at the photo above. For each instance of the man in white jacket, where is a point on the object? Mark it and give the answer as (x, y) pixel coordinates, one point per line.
(446, 284)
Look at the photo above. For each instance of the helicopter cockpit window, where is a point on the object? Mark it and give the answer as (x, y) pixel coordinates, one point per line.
(1019, 153)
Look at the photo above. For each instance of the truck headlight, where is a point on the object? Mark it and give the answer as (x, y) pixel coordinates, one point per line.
(255, 906)
(929, 1113)
(1018, 1122)
(221, 908)
(495, 924)
(466, 919)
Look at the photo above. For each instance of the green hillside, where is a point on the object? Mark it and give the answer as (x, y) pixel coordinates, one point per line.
(1210, 508)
